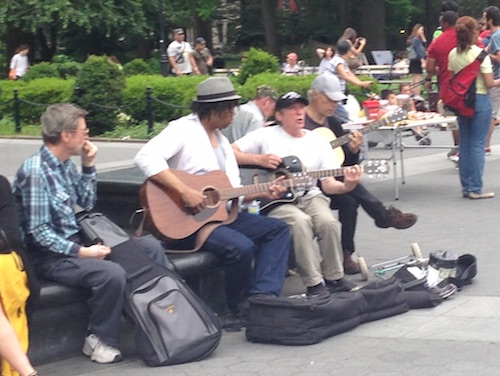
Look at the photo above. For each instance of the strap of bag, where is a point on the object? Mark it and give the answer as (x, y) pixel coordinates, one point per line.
(476, 63)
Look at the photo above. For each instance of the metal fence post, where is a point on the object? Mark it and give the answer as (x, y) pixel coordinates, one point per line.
(17, 113)
(149, 109)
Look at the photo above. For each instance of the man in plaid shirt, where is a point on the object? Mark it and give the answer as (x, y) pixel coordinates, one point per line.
(47, 187)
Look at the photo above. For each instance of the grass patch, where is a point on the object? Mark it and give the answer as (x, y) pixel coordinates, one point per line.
(8, 128)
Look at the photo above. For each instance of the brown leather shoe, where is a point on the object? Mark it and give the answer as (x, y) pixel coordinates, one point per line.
(350, 266)
(397, 219)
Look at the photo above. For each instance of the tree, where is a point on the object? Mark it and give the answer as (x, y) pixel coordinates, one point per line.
(270, 26)
(44, 22)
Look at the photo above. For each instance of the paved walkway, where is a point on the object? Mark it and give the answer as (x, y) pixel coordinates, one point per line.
(459, 337)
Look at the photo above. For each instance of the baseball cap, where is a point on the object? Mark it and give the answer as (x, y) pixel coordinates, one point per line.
(266, 91)
(329, 85)
(178, 31)
(289, 99)
(200, 40)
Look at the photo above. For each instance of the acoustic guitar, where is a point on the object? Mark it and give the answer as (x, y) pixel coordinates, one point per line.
(292, 169)
(335, 142)
(185, 231)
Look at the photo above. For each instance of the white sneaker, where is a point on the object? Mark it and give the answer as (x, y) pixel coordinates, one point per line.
(99, 352)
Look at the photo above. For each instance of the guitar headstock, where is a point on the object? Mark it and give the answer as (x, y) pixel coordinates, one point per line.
(376, 168)
(395, 116)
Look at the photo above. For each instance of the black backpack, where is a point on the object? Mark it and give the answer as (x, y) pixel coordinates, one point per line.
(173, 325)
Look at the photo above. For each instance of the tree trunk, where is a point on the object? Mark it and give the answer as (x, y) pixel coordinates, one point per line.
(345, 14)
(270, 26)
(372, 24)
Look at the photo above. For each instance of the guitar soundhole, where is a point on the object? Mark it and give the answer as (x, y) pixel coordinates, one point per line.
(212, 197)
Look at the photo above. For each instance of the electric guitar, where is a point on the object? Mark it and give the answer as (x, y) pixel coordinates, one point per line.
(291, 168)
(335, 142)
(185, 231)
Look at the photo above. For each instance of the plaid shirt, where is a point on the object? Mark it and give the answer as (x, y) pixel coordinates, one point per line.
(46, 191)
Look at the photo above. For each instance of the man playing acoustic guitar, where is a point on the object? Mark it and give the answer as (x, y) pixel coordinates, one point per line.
(325, 95)
(195, 145)
(310, 217)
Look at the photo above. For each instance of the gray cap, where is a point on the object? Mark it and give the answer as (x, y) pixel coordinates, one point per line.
(178, 31)
(216, 89)
(329, 85)
(200, 40)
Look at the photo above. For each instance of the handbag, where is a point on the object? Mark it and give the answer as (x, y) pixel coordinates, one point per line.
(96, 228)
(12, 74)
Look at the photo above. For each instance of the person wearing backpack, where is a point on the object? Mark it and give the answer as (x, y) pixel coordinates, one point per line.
(473, 130)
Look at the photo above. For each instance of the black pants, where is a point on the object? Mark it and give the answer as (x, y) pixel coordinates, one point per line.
(347, 205)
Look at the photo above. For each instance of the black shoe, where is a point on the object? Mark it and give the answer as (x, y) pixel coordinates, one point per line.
(318, 290)
(340, 285)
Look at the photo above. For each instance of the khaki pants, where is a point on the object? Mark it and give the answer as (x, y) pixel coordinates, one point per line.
(312, 218)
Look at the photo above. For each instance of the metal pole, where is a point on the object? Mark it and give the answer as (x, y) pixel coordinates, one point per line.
(17, 113)
(163, 48)
(149, 109)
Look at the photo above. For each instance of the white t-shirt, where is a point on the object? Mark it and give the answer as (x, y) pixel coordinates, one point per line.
(313, 150)
(184, 145)
(20, 64)
(181, 51)
(334, 62)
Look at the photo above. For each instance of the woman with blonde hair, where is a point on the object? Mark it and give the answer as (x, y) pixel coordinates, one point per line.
(473, 131)
(418, 44)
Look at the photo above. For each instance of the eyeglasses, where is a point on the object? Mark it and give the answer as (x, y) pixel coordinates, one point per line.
(85, 130)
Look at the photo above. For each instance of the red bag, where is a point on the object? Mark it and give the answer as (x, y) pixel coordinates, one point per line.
(12, 74)
(459, 93)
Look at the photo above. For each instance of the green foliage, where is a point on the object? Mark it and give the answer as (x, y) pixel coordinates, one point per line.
(362, 94)
(172, 96)
(257, 61)
(66, 66)
(135, 67)
(282, 84)
(41, 70)
(8, 128)
(100, 84)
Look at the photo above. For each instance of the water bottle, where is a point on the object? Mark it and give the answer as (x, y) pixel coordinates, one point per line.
(254, 207)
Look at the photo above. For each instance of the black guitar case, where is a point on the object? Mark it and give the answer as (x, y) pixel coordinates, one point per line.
(303, 320)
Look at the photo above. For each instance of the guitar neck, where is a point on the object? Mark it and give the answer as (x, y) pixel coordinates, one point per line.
(344, 139)
(229, 193)
(319, 174)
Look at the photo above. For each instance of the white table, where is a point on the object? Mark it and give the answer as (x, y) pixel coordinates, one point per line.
(394, 136)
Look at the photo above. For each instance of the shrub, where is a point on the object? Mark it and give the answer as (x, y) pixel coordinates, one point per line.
(172, 96)
(257, 61)
(362, 94)
(282, 84)
(66, 67)
(99, 84)
(135, 67)
(40, 93)
(41, 70)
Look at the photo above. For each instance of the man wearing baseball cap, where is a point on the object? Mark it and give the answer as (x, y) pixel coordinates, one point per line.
(253, 248)
(253, 115)
(325, 95)
(309, 216)
(202, 56)
(180, 55)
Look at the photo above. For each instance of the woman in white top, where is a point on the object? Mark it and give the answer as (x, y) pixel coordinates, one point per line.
(325, 55)
(19, 63)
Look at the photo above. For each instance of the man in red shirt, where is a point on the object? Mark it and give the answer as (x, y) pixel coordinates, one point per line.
(437, 59)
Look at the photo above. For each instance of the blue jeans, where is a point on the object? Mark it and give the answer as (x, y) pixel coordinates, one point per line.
(473, 134)
(342, 113)
(251, 239)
